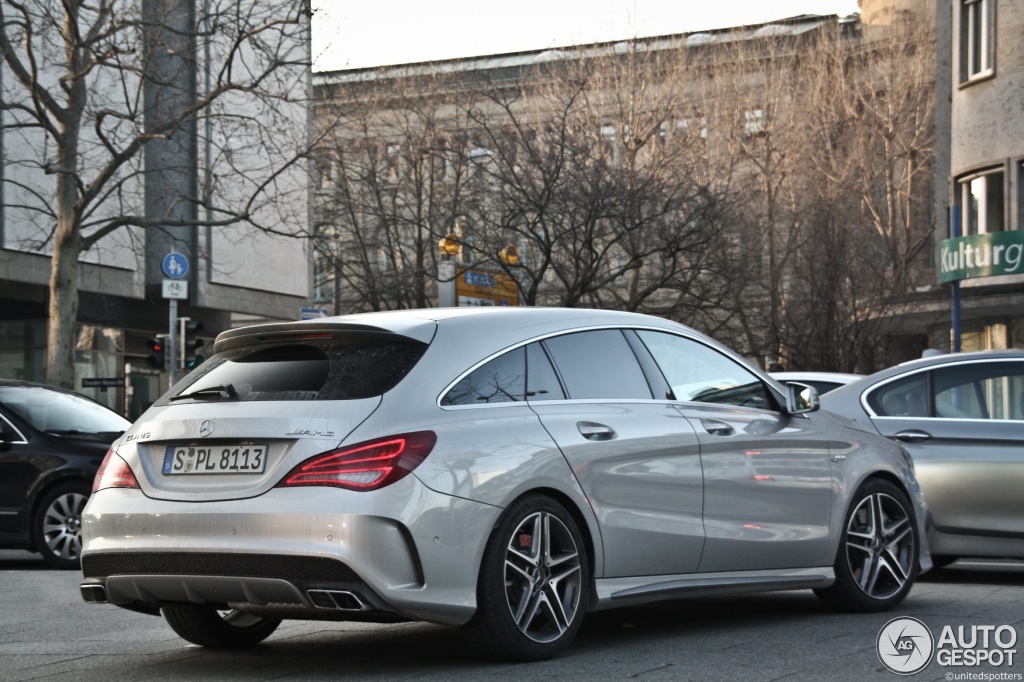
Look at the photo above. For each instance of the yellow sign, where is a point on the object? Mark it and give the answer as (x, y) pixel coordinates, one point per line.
(480, 287)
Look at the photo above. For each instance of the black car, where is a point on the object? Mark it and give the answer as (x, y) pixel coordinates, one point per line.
(52, 441)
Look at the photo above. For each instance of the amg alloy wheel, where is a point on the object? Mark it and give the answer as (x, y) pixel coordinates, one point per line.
(877, 559)
(533, 581)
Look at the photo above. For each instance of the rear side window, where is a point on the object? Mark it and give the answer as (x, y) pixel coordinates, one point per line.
(598, 365)
(971, 391)
(330, 370)
(520, 374)
(980, 391)
(907, 397)
(502, 380)
(542, 382)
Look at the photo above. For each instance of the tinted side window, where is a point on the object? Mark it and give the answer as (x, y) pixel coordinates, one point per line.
(907, 397)
(7, 431)
(541, 380)
(980, 391)
(598, 365)
(700, 374)
(502, 380)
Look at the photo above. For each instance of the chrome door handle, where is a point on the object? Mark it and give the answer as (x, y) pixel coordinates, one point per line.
(913, 436)
(716, 427)
(595, 431)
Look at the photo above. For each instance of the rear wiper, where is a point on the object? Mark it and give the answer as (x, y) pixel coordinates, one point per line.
(209, 393)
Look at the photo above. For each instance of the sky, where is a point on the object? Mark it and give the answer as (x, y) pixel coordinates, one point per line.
(354, 34)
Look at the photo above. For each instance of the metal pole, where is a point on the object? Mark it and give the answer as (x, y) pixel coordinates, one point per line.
(446, 283)
(172, 343)
(954, 303)
(337, 285)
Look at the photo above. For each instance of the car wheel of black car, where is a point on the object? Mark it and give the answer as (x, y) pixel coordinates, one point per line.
(206, 626)
(877, 558)
(531, 596)
(57, 526)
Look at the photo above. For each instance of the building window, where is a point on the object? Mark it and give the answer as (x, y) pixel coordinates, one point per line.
(325, 174)
(693, 125)
(1019, 224)
(325, 264)
(608, 143)
(753, 122)
(980, 198)
(393, 159)
(976, 39)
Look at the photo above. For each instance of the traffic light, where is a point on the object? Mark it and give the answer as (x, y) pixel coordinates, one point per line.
(191, 343)
(157, 351)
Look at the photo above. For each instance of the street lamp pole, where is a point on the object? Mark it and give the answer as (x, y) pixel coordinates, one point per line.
(954, 303)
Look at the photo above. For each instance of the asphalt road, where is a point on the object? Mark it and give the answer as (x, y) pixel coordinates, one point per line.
(48, 633)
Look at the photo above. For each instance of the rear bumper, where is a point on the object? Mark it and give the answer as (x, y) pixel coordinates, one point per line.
(277, 597)
(402, 552)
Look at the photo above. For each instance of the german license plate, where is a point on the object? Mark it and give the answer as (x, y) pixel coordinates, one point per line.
(215, 459)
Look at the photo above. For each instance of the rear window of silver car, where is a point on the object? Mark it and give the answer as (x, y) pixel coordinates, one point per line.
(329, 370)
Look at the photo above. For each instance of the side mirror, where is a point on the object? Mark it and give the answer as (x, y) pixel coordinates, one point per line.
(801, 398)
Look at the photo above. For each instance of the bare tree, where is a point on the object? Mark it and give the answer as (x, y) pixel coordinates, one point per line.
(825, 139)
(587, 174)
(90, 86)
(576, 164)
(766, 186)
(887, 93)
(751, 91)
(869, 121)
(394, 163)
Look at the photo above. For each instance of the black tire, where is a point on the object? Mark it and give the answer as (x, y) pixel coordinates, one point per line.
(877, 559)
(206, 626)
(57, 525)
(532, 590)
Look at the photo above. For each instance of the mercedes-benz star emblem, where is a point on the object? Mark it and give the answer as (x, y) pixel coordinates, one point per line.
(206, 428)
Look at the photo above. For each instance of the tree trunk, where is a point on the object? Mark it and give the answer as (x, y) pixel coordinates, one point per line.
(60, 352)
(67, 243)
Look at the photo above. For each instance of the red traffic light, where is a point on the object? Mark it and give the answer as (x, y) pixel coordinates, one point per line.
(156, 357)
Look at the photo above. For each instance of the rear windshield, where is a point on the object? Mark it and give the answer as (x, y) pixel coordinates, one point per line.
(328, 370)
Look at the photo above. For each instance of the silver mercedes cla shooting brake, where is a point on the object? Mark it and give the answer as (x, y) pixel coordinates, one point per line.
(503, 470)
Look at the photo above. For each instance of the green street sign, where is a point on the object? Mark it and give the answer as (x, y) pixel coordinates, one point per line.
(981, 255)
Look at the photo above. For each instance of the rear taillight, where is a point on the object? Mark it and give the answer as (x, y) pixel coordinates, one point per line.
(364, 466)
(114, 472)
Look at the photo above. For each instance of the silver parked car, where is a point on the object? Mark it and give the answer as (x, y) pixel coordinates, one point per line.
(503, 470)
(961, 417)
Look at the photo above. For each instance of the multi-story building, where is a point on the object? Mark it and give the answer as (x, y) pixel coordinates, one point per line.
(979, 180)
(743, 119)
(222, 192)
